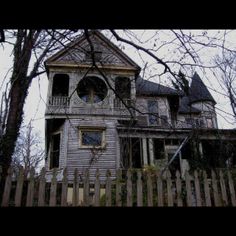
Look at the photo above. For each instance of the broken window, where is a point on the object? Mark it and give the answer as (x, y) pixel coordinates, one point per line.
(92, 89)
(55, 151)
(92, 137)
(153, 112)
(60, 86)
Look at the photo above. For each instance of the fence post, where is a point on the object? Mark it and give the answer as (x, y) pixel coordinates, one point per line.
(129, 188)
(30, 191)
(64, 188)
(215, 189)
(108, 188)
(53, 189)
(139, 189)
(86, 188)
(231, 189)
(159, 190)
(178, 189)
(188, 189)
(42, 181)
(149, 189)
(223, 189)
(19, 187)
(197, 189)
(97, 189)
(206, 189)
(75, 198)
(7, 188)
(169, 189)
(118, 187)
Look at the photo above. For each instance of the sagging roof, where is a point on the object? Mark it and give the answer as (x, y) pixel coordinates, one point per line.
(149, 88)
(198, 91)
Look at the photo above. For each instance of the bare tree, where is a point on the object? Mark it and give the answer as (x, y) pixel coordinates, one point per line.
(30, 47)
(226, 63)
(28, 150)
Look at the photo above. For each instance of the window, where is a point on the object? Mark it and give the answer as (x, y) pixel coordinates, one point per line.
(92, 137)
(153, 116)
(60, 86)
(209, 122)
(55, 151)
(92, 89)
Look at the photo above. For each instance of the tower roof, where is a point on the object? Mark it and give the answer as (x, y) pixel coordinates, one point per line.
(198, 91)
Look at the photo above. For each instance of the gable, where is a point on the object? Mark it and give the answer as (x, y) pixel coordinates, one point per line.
(76, 53)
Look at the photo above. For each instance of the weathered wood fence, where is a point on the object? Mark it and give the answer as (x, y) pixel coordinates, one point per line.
(131, 188)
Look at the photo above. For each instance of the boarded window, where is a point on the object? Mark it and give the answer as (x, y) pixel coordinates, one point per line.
(55, 151)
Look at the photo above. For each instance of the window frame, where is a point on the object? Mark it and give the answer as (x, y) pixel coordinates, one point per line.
(155, 114)
(51, 149)
(92, 129)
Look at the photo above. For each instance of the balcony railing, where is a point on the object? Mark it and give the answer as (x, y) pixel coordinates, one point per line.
(59, 101)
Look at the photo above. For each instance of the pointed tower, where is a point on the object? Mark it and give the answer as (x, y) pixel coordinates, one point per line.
(201, 99)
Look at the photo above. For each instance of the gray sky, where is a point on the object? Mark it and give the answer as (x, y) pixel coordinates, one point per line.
(35, 103)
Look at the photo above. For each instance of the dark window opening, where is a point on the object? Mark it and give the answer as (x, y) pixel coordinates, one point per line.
(159, 151)
(92, 89)
(123, 87)
(60, 86)
(174, 106)
(131, 152)
(55, 151)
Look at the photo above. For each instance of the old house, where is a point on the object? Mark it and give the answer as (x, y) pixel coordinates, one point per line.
(106, 116)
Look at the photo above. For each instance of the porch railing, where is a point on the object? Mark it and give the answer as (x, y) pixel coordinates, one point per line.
(59, 101)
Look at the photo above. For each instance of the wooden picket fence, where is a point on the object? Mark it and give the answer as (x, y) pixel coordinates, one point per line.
(129, 188)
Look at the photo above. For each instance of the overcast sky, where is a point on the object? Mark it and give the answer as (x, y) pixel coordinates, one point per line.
(35, 103)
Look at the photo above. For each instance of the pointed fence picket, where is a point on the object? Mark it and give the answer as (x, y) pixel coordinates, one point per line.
(132, 188)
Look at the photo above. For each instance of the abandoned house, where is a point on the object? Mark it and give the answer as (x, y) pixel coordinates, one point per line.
(103, 115)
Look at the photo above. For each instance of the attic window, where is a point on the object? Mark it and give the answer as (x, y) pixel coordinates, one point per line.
(92, 89)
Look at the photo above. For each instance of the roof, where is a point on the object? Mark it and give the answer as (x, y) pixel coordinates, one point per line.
(185, 106)
(74, 51)
(198, 91)
(149, 88)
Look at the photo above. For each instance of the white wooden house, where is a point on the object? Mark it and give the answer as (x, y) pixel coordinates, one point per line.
(108, 117)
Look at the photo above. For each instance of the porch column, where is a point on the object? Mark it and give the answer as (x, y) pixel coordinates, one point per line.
(150, 144)
(144, 145)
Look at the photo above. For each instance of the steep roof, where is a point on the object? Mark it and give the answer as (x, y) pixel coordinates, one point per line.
(198, 91)
(185, 107)
(74, 54)
(149, 88)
